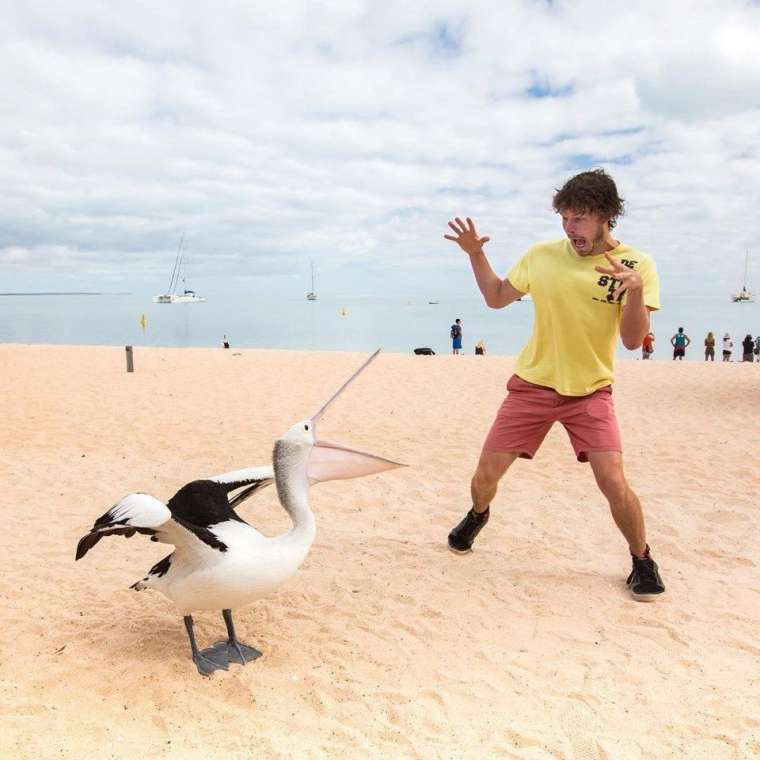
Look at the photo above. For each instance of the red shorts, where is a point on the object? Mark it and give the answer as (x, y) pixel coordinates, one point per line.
(529, 410)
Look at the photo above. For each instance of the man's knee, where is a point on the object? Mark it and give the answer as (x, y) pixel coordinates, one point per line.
(612, 484)
(491, 468)
(485, 478)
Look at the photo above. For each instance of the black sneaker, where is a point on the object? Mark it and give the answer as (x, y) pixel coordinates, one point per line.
(644, 582)
(461, 537)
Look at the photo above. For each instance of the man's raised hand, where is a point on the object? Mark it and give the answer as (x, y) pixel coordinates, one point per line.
(466, 236)
(629, 279)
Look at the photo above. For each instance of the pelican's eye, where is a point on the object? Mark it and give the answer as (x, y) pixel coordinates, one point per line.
(306, 428)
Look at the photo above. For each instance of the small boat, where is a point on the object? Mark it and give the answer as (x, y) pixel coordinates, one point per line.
(179, 272)
(312, 294)
(434, 302)
(744, 295)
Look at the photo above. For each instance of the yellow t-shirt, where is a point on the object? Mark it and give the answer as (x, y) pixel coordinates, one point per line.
(576, 324)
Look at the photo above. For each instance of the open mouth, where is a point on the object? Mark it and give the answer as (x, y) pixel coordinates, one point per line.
(578, 242)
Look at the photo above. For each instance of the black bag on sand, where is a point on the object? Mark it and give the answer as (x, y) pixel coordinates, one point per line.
(424, 352)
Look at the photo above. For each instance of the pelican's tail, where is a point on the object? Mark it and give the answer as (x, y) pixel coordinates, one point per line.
(136, 513)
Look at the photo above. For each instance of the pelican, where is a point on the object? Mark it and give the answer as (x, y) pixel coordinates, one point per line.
(220, 562)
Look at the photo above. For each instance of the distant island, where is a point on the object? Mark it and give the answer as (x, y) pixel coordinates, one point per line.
(67, 293)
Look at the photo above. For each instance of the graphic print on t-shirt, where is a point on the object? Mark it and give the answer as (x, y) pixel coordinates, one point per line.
(611, 284)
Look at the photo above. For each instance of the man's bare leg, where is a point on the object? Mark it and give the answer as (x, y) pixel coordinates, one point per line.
(624, 504)
(485, 481)
(644, 582)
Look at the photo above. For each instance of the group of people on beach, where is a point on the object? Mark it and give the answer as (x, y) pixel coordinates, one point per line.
(680, 341)
(750, 345)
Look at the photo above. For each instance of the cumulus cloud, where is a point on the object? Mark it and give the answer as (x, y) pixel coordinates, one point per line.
(349, 132)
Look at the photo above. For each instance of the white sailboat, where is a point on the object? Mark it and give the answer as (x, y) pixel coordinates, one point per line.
(179, 273)
(744, 295)
(312, 294)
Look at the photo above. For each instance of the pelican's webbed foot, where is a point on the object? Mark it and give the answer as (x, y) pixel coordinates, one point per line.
(235, 650)
(206, 660)
(211, 659)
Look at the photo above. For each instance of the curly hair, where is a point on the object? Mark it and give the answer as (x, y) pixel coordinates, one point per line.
(592, 192)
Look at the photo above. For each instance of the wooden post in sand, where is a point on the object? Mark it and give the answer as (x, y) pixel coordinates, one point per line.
(130, 363)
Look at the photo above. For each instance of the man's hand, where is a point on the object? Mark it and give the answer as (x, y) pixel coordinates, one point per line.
(466, 236)
(629, 279)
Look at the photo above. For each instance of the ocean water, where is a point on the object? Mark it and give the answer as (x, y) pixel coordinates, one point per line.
(331, 323)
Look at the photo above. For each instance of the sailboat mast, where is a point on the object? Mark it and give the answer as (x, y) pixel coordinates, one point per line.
(177, 260)
(746, 265)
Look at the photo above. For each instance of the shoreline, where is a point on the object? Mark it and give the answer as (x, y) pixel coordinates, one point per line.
(337, 351)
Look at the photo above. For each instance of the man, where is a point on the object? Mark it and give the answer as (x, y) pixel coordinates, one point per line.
(456, 336)
(679, 342)
(587, 289)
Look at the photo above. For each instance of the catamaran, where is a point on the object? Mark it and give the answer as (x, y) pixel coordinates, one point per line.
(744, 295)
(179, 273)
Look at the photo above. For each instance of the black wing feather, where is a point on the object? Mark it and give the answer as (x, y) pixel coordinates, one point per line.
(207, 502)
(87, 542)
(246, 492)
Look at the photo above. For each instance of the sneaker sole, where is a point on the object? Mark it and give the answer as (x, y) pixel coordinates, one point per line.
(646, 597)
(459, 551)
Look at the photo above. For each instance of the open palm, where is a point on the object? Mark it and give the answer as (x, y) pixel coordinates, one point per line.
(466, 236)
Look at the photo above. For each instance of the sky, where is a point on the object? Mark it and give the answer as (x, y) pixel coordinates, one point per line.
(347, 133)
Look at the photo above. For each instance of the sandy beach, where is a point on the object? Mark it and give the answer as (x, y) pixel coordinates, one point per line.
(385, 644)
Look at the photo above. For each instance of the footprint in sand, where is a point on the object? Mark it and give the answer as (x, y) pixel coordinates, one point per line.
(580, 725)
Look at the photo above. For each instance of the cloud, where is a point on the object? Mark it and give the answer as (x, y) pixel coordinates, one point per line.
(275, 133)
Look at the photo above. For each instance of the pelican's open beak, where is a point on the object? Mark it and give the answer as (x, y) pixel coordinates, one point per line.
(331, 461)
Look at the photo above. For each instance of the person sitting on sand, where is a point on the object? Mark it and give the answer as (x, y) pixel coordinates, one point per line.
(679, 342)
(480, 348)
(728, 347)
(587, 289)
(710, 347)
(748, 347)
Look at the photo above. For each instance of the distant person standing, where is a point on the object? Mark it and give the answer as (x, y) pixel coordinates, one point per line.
(679, 342)
(748, 347)
(710, 347)
(647, 347)
(225, 342)
(728, 347)
(757, 347)
(456, 336)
